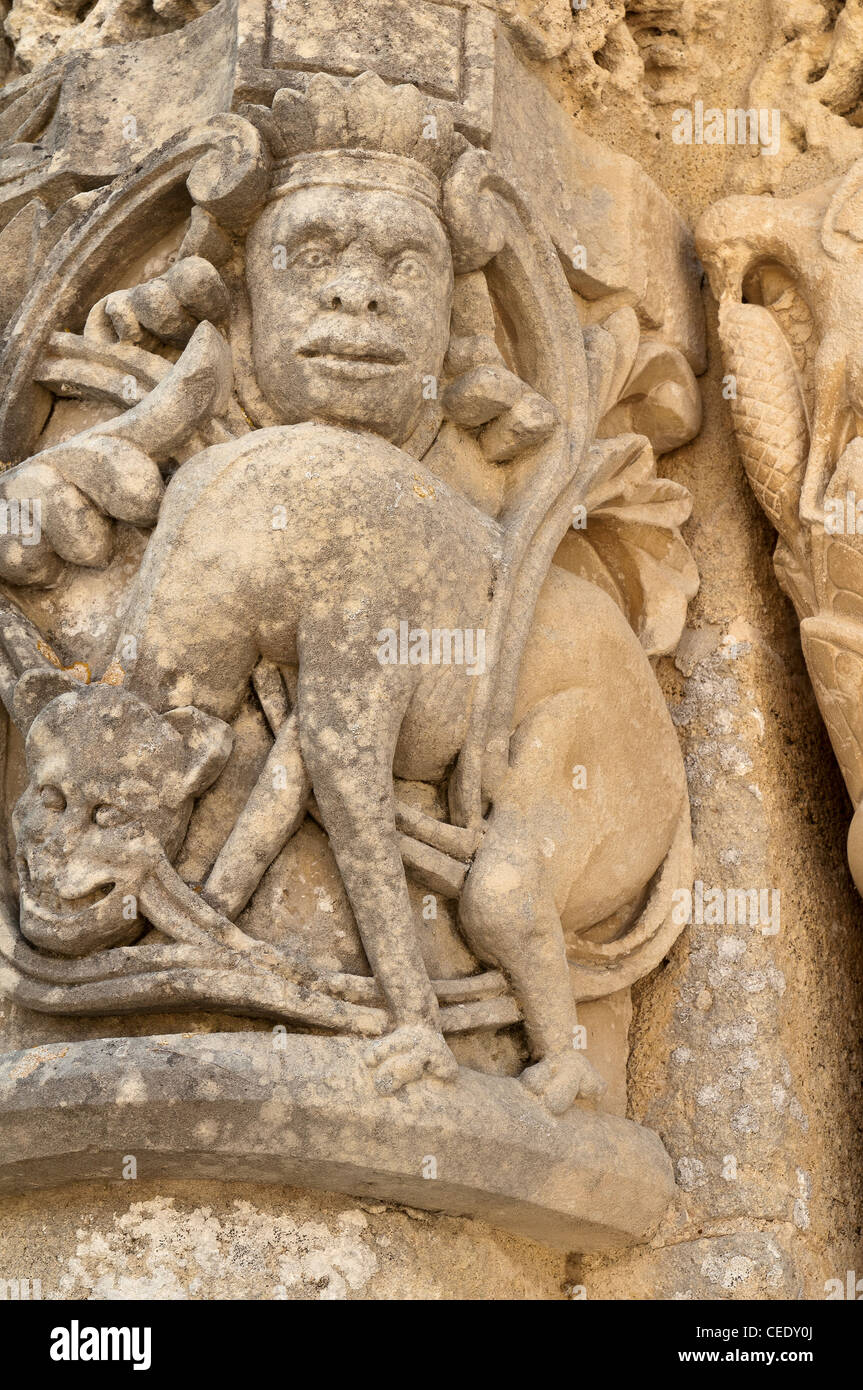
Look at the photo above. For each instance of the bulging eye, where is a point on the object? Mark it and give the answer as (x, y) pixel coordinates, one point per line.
(408, 265)
(312, 257)
(107, 816)
(52, 799)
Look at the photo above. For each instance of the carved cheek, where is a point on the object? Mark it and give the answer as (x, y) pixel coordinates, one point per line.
(31, 821)
(280, 321)
(296, 295)
(131, 849)
(272, 308)
(424, 320)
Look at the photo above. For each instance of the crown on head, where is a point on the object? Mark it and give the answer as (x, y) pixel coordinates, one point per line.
(363, 134)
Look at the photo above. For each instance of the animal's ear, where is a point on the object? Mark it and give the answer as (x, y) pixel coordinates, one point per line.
(208, 742)
(35, 689)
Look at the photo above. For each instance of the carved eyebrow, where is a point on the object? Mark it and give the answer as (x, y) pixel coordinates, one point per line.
(412, 244)
(135, 796)
(334, 230)
(315, 226)
(388, 248)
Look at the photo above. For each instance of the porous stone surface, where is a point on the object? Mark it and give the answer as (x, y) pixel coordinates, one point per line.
(197, 1240)
(759, 1036)
(308, 1112)
(219, 308)
(338, 317)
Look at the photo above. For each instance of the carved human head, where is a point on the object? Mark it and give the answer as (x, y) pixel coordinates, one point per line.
(357, 322)
(111, 786)
(349, 267)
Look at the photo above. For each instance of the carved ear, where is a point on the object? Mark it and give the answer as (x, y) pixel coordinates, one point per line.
(473, 212)
(208, 742)
(35, 689)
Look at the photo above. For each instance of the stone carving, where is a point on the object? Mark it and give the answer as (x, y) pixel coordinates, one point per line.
(787, 274)
(42, 30)
(814, 77)
(65, 131)
(656, 52)
(331, 655)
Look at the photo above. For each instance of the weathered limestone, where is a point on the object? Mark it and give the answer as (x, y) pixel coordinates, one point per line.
(210, 1240)
(795, 416)
(232, 1106)
(363, 635)
(762, 1032)
(360, 702)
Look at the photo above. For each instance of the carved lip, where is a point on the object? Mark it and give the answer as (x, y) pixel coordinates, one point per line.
(352, 359)
(64, 918)
(71, 926)
(49, 904)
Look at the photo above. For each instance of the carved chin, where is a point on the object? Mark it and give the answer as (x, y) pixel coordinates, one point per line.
(76, 926)
(378, 396)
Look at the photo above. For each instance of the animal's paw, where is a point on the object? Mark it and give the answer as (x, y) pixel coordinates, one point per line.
(408, 1053)
(560, 1078)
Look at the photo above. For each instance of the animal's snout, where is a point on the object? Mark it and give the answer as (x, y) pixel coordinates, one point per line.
(50, 867)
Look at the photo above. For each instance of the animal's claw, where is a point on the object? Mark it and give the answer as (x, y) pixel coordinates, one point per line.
(559, 1079)
(408, 1053)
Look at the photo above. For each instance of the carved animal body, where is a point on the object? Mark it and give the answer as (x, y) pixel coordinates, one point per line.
(816, 237)
(302, 544)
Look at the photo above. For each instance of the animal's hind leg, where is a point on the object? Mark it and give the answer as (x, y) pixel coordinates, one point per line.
(510, 919)
(539, 840)
(348, 733)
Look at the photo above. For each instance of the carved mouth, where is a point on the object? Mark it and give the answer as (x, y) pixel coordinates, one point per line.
(47, 903)
(74, 926)
(352, 359)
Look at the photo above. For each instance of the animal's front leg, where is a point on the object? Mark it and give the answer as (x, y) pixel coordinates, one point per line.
(348, 735)
(409, 1052)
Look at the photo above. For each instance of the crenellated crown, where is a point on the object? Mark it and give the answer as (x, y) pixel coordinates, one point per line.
(362, 133)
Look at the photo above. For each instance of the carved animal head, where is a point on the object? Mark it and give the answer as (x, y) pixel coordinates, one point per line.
(111, 787)
(730, 243)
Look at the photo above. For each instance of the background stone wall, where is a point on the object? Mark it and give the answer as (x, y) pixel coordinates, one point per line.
(745, 1047)
(144, 1240)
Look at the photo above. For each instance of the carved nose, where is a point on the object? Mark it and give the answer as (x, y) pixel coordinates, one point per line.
(351, 297)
